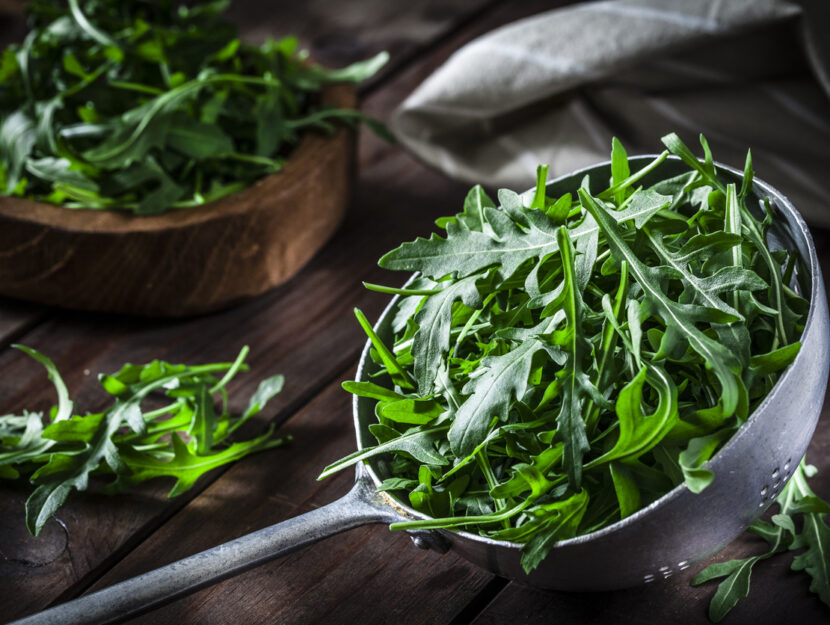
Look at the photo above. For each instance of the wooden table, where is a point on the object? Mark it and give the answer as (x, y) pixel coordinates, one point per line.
(306, 331)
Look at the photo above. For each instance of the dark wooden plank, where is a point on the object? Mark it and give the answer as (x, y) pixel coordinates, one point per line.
(16, 318)
(335, 580)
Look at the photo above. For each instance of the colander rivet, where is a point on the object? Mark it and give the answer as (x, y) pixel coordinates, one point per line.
(419, 542)
(426, 539)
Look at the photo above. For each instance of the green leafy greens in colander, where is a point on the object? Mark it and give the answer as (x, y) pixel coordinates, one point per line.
(559, 363)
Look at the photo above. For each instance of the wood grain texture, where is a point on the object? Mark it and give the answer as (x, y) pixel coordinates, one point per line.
(188, 261)
(16, 318)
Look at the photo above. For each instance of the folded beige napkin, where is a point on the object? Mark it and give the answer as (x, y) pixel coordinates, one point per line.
(554, 88)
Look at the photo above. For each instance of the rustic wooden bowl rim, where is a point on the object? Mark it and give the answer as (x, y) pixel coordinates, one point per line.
(293, 173)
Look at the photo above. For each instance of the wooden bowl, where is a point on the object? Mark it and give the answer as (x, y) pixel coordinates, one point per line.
(188, 261)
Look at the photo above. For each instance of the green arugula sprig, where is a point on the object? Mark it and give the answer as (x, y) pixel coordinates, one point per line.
(183, 439)
(148, 105)
(799, 507)
(561, 362)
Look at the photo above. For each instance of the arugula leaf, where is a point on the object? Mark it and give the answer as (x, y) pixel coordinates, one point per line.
(432, 340)
(66, 471)
(65, 405)
(561, 521)
(619, 169)
(638, 432)
(466, 251)
(490, 394)
(815, 536)
(61, 456)
(575, 385)
(187, 467)
(419, 445)
(795, 499)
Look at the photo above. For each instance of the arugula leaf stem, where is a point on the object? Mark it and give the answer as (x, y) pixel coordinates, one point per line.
(775, 276)
(484, 464)
(379, 288)
(93, 32)
(134, 86)
(254, 159)
(607, 349)
(471, 323)
(635, 177)
(232, 370)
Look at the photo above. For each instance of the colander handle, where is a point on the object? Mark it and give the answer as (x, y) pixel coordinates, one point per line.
(360, 506)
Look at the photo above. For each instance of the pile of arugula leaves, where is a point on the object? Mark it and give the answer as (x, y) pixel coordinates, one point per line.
(183, 438)
(148, 105)
(560, 363)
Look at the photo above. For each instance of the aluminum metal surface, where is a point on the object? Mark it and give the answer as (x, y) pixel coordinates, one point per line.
(670, 534)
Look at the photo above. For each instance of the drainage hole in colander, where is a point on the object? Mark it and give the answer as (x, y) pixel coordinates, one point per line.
(765, 496)
(775, 473)
(665, 571)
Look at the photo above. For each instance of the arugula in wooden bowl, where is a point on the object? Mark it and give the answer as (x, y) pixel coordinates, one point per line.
(237, 157)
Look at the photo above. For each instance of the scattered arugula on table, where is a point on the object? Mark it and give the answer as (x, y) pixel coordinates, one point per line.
(561, 362)
(799, 507)
(148, 105)
(183, 439)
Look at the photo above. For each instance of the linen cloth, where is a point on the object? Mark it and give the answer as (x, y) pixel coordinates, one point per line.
(554, 88)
